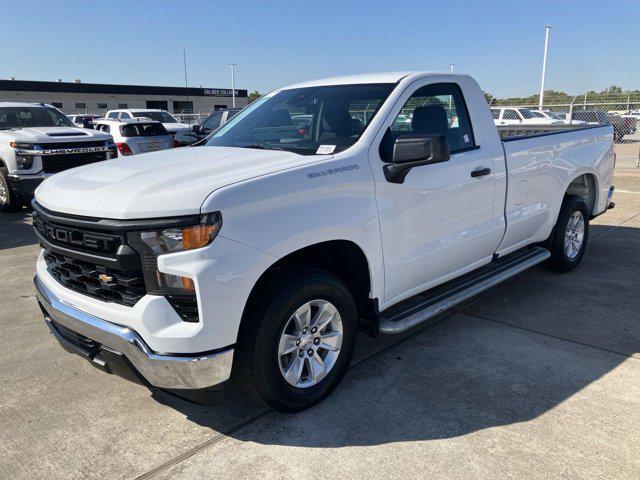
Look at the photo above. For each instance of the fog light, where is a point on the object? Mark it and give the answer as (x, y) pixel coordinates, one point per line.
(25, 162)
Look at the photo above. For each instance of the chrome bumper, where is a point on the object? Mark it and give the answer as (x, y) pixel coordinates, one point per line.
(110, 341)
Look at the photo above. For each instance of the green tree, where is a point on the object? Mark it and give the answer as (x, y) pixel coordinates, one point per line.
(254, 96)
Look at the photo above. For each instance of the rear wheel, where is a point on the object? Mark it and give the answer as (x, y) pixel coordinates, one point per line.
(297, 341)
(571, 234)
(8, 200)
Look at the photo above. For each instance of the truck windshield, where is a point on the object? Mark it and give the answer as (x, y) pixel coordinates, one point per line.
(163, 117)
(306, 121)
(25, 117)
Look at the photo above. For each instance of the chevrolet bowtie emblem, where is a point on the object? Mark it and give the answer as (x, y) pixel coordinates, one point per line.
(104, 278)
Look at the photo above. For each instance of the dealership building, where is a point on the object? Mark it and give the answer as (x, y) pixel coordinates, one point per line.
(78, 97)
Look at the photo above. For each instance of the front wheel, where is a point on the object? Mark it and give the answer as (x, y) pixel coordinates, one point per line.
(297, 341)
(571, 234)
(8, 200)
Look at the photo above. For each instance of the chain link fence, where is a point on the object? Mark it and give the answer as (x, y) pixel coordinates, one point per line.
(623, 114)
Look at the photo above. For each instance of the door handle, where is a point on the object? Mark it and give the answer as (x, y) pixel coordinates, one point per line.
(480, 172)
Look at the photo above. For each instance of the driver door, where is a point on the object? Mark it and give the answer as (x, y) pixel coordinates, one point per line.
(440, 222)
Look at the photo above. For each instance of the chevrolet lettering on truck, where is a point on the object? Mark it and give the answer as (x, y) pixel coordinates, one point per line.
(257, 257)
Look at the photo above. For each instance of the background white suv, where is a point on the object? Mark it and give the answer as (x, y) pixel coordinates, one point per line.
(136, 135)
(519, 116)
(171, 123)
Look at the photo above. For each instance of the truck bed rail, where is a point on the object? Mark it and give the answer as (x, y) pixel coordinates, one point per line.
(516, 132)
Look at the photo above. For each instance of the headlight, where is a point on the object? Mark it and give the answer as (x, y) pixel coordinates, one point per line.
(25, 146)
(152, 244)
(24, 159)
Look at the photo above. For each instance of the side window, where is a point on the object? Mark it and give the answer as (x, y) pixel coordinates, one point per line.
(124, 115)
(510, 115)
(495, 113)
(213, 121)
(437, 109)
(113, 115)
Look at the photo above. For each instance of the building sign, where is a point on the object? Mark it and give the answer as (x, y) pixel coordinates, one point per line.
(219, 92)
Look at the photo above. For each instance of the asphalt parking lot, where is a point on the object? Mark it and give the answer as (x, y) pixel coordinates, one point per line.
(540, 378)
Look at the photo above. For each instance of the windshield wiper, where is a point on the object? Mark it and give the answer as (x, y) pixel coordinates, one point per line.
(259, 146)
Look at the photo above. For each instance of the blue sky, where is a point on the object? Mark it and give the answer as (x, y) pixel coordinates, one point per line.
(593, 43)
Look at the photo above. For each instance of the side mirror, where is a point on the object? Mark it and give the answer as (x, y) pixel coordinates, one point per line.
(415, 150)
(196, 128)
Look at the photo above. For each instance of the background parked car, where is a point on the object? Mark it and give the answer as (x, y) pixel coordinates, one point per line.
(519, 116)
(202, 129)
(133, 136)
(171, 123)
(548, 114)
(621, 125)
(84, 120)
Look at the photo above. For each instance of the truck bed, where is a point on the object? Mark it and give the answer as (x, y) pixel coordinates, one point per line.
(541, 166)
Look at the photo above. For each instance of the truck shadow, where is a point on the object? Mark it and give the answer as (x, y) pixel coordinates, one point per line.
(510, 357)
(16, 230)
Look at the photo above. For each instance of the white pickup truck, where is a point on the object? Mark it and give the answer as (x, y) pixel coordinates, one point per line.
(38, 140)
(258, 256)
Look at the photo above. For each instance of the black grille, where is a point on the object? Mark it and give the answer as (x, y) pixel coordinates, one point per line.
(76, 338)
(78, 238)
(109, 285)
(58, 163)
(186, 306)
(57, 145)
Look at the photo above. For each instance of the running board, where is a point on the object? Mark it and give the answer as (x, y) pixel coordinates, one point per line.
(431, 303)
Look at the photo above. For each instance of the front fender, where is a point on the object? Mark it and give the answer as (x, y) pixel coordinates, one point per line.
(293, 209)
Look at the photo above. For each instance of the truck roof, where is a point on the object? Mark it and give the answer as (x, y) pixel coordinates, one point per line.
(127, 120)
(137, 110)
(388, 77)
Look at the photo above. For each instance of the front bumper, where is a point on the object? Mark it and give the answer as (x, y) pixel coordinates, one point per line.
(120, 350)
(24, 185)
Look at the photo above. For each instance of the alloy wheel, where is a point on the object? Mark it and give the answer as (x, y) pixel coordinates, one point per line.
(310, 343)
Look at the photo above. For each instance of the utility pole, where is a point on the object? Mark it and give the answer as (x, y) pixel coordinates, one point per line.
(186, 84)
(233, 83)
(544, 64)
(452, 67)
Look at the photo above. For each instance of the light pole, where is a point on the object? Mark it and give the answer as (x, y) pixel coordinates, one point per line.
(186, 84)
(233, 83)
(544, 64)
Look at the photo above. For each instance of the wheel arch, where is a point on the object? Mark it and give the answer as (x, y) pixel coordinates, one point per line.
(585, 186)
(343, 258)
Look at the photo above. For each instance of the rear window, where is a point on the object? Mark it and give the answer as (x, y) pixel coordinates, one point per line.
(143, 130)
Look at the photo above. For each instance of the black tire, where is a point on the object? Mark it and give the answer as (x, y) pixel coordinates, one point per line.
(257, 368)
(8, 200)
(561, 260)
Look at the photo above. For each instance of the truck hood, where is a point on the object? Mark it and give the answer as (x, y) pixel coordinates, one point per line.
(56, 134)
(160, 184)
